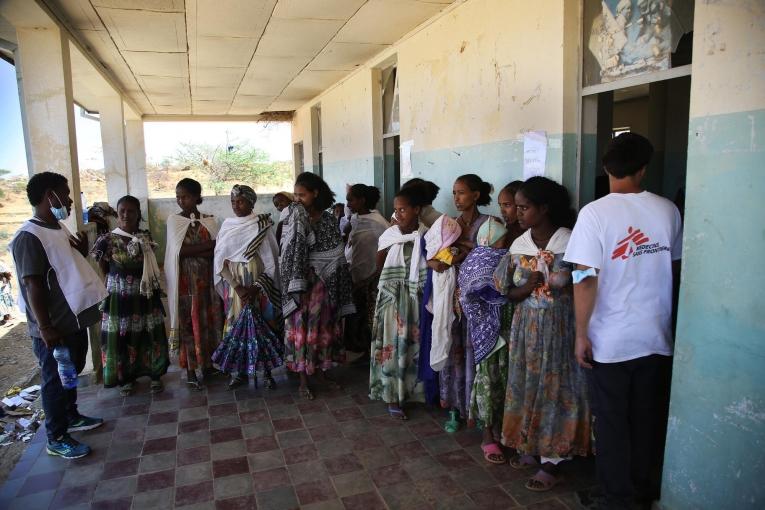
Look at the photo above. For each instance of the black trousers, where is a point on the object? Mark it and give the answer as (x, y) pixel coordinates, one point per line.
(630, 401)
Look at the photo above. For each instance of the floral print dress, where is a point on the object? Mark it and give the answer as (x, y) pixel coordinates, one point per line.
(200, 311)
(546, 408)
(133, 336)
(394, 364)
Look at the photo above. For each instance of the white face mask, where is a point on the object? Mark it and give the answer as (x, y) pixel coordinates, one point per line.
(60, 213)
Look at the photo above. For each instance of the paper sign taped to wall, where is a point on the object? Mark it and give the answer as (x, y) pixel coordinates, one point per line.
(406, 159)
(534, 153)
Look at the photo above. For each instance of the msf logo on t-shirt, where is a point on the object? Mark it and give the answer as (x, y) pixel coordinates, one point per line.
(629, 245)
(634, 245)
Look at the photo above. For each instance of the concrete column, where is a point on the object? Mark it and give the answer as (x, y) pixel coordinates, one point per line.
(113, 143)
(136, 164)
(45, 88)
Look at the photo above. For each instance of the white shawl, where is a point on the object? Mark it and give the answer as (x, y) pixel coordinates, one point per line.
(79, 282)
(177, 226)
(524, 245)
(362, 244)
(151, 274)
(395, 240)
(232, 241)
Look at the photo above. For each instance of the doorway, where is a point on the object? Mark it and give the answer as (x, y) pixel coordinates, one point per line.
(659, 111)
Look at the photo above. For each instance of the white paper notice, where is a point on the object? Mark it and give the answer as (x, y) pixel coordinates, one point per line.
(406, 159)
(534, 153)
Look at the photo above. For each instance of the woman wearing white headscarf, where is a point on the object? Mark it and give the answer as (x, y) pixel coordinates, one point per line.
(245, 276)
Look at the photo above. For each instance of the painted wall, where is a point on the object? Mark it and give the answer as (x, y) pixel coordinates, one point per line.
(715, 452)
(471, 81)
(219, 206)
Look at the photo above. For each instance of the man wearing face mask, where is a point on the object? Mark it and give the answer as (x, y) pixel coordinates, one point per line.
(60, 293)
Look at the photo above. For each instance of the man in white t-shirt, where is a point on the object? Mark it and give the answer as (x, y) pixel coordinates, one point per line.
(627, 247)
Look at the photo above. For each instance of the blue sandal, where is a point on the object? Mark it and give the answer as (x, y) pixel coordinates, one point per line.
(397, 413)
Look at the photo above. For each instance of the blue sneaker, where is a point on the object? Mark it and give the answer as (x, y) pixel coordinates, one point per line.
(68, 448)
(84, 423)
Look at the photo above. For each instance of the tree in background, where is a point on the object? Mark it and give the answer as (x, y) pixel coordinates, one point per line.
(234, 162)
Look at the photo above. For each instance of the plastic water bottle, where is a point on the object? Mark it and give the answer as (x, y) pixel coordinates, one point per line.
(84, 207)
(66, 370)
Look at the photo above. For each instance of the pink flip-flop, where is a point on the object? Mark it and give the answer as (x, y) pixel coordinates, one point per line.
(493, 449)
(543, 481)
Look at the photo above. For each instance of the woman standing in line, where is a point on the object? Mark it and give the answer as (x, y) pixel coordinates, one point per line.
(488, 317)
(246, 277)
(508, 211)
(547, 414)
(133, 337)
(456, 378)
(316, 284)
(196, 312)
(393, 369)
(366, 227)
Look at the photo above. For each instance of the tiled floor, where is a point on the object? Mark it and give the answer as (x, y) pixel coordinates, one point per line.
(255, 448)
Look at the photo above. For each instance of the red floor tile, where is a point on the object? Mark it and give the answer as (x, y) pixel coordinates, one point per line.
(364, 501)
(239, 503)
(135, 410)
(113, 504)
(193, 401)
(311, 407)
(389, 475)
(120, 468)
(226, 434)
(193, 455)
(196, 493)
(155, 481)
(261, 444)
(457, 459)
(347, 414)
(493, 497)
(70, 496)
(323, 432)
(186, 427)
(313, 492)
(160, 418)
(288, 424)
(164, 444)
(366, 441)
(255, 416)
(223, 409)
(343, 464)
(228, 467)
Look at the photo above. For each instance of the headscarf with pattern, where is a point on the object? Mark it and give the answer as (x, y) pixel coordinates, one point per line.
(244, 191)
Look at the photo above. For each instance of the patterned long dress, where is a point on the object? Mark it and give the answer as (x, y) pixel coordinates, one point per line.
(396, 337)
(456, 378)
(133, 337)
(263, 348)
(200, 312)
(314, 332)
(546, 408)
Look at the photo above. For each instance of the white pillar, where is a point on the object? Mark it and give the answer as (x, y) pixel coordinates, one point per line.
(113, 142)
(45, 89)
(136, 164)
